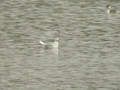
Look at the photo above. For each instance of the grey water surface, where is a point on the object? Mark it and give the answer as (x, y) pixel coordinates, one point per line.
(88, 56)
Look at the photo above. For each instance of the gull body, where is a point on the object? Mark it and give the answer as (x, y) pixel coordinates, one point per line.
(51, 44)
(110, 10)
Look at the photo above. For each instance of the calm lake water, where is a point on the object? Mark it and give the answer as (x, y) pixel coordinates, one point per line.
(88, 56)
